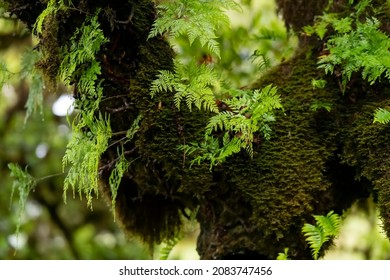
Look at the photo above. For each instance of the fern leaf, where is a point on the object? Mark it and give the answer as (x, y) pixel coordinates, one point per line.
(83, 154)
(283, 256)
(24, 183)
(326, 227)
(382, 116)
(168, 247)
(115, 178)
(134, 128)
(195, 19)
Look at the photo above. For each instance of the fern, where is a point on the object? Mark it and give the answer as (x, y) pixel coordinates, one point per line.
(283, 256)
(53, 6)
(356, 46)
(317, 235)
(195, 19)
(364, 49)
(35, 96)
(115, 178)
(191, 83)
(24, 183)
(319, 104)
(134, 128)
(85, 148)
(83, 154)
(318, 83)
(199, 85)
(248, 113)
(168, 246)
(79, 59)
(382, 116)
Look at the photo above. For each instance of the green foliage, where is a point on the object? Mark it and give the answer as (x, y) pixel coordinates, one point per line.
(190, 82)
(83, 154)
(85, 148)
(79, 59)
(134, 128)
(201, 85)
(261, 60)
(3, 7)
(168, 247)
(115, 178)
(24, 183)
(29, 72)
(195, 19)
(211, 150)
(318, 83)
(382, 116)
(5, 74)
(355, 45)
(247, 113)
(317, 235)
(53, 6)
(283, 256)
(364, 49)
(319, 104)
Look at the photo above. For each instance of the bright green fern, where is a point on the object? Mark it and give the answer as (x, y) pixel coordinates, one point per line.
(200, 85)
(317, 235)
(24, 183)
(115, 178)
(83, 154)
(382, 116)
(283, 256)
(246, 118)
(357, 45)
(190, 83)
(195, 19)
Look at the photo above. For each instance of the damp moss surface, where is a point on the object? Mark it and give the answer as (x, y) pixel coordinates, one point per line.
(315, 161)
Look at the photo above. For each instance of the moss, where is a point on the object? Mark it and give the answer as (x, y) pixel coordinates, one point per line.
(315, 161)
(366, 147)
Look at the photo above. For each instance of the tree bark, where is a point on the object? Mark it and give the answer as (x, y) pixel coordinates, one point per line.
(316, 161)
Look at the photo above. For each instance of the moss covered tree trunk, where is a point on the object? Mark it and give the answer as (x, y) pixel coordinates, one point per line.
(316, 161)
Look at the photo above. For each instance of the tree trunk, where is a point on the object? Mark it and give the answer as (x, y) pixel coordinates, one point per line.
(316, 161)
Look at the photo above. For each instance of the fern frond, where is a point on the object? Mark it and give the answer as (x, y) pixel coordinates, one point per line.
(168, 247)
(80, 60)
(191, 83)
(115, 178)
(382, 116)
(317, 235)
(196, 19)
(24, 183)
(133, 128)
(283, 256)
(363, 48)
(83, 153)
(35, 97)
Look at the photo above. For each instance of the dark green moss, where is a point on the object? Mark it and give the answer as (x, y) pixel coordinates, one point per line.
(316, 161)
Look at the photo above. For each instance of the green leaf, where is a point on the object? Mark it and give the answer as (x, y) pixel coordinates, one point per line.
(24, 183)
(325, 228)
(318, 83)
(198, 20)
(381, 116)
(115, 178)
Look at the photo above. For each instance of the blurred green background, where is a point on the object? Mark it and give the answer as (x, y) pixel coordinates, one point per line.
(51, 229)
